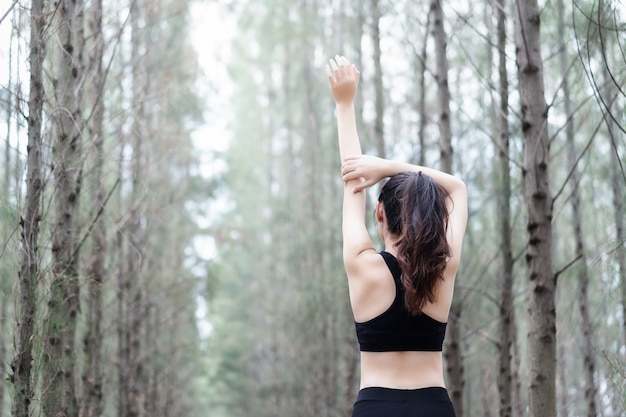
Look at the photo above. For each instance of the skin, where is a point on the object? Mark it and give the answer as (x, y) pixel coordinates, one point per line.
(370, 283)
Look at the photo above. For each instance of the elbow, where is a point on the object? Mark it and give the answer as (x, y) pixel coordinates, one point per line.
(458, 191)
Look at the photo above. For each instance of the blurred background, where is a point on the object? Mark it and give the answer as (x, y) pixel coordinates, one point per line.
(170, 200)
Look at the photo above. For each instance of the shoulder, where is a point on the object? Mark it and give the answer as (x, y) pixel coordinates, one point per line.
(364, 265)
(371, 285)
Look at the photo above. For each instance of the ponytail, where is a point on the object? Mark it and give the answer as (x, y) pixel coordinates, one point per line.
(416, 212)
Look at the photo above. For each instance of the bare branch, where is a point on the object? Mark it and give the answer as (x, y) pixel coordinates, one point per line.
(95, 219)
(4, 16)
(567, 266)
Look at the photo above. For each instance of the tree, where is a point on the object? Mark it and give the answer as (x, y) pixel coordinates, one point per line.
(379, 100)
(506, 323)
(538, 200)
(59, 390)
(29, 273)
(588, 349)
(93, 396)
(453, 343)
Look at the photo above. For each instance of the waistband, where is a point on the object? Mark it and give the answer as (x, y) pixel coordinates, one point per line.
(392, 394)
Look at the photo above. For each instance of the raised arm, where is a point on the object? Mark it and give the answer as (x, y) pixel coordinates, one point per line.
(343, 78)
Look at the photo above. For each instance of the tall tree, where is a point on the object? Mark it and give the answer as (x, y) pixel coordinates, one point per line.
(419, 156)
(611, 95)
(5, 223)
(379, 95)
(92, 404)
(131, 295)
(453, 344)
(506, 322)
(617, 186)
(588, 349)
(29, 273)
(538, 200)
(59, 395)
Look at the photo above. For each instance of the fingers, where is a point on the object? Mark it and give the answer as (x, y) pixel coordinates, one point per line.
(349, 173)
(333, 67)
(362, 185)
(350, 166)
(339, 63)
(358, 188)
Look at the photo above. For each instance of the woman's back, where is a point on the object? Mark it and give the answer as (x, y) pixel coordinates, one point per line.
(412, 357)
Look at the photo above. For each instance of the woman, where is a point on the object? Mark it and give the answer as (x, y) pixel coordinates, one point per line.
(400, 297)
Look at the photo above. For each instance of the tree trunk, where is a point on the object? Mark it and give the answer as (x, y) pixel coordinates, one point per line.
(454, 340)
(506, 322)
(93, 394)
(419, 156)
(589, 360)
(617, 184)
(563, 380)
(453, 355)
(28, 276)
(443, 92)
(6, 219)
(538, 199)
(59, 391)
(131, 282)
(379, 95)
(122, 343)
(617, 179)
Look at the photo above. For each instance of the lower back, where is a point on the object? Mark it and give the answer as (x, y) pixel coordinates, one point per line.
(402, 370)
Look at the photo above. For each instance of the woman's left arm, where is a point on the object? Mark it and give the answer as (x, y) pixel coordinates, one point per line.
(344, 79)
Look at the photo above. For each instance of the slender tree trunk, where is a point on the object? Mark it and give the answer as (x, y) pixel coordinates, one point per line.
(589, 360)
(454, 340)
(419, 157)
(616, 170)
(506, 322)
(151, 397)
(379, 95)
(519, 403)
(123, 367)
(563, 402)
(93, 394)
(358, 61)
(3, 342)
(59, 395)
(28, 276)
(135, 251)
(454, 360)
(617, 184)
(5, 284)
(443, 92)
(538, 198)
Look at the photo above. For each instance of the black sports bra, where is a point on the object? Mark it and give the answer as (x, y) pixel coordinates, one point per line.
(396, 330)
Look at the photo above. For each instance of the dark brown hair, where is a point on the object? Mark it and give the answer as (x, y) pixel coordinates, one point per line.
(416, 212)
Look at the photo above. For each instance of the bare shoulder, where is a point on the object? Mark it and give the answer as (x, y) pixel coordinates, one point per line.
(371, 285)
(363, 267)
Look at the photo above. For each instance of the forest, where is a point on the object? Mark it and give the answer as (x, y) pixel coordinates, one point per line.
(170, 211)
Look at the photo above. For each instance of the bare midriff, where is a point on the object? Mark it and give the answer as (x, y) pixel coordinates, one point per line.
(402, 370)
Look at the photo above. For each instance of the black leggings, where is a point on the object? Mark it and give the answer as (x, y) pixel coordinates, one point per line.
(387, 402)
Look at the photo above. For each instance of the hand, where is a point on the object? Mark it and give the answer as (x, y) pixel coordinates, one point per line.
(344, 80)
(369, 169)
